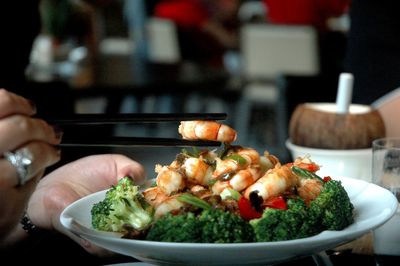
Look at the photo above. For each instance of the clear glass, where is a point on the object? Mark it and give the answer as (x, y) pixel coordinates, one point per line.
(386, 173)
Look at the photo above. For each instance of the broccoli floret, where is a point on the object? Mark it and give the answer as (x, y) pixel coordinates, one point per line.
(279, 225)
(220, 226)
(122, 208)
(210, 226)
(176, 228)
(332, 209)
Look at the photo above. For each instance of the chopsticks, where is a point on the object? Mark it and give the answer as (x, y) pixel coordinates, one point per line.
(102, 119)
(78, 120)
(128, 142)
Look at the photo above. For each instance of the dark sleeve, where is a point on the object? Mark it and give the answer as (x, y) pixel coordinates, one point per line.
(373, 50)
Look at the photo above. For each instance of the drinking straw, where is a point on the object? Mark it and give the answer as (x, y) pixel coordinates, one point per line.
(344, 93)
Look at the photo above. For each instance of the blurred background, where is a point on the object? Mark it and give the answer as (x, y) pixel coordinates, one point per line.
(254, 60)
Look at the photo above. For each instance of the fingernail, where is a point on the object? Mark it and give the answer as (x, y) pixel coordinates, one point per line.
(32, 104)
(57, 132)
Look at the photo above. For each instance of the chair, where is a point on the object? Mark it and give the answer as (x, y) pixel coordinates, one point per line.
(163, 41)
(162, 48)
(268, 51)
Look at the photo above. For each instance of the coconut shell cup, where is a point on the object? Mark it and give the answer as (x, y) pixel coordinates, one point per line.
(317, 125)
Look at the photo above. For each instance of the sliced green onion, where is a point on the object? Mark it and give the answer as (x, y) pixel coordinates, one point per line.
(194, 153)
(305, 173)
(224, 150)
(193, 200)
(239, 159)
(230, 193)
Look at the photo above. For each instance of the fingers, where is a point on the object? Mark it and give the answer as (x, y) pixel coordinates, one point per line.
(75, 180)
(16, 130)
(128, 167)
(16, 125)
(11, 103)
(11, 209)
(41, 156)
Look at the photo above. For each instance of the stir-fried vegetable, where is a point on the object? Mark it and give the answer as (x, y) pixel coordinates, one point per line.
(122, 209)
(232, 196)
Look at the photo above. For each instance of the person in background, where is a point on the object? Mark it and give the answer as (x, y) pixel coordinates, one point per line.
(71, 23)
(206, 29)
(28, 151)
(305, 12)
(315, 13)
(373, 52)
(389, 107)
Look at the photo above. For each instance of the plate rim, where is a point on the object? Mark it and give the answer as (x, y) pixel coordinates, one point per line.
(330, 238)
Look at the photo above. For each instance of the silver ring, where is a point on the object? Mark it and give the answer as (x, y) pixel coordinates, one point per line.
(21, 160)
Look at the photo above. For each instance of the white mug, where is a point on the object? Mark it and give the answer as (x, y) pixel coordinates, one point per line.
(337, 163)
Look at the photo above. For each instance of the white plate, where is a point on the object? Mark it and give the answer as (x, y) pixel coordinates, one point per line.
(373, 207)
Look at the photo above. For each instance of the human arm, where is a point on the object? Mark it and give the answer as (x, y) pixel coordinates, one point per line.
(18, 130)
(389, 108)
(71, 182)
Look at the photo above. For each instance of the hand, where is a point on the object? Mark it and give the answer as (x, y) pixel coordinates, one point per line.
(73, 181)
(20, 132)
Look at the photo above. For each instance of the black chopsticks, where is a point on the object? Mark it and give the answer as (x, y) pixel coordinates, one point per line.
(102, 119)
(82, 140)
(128, 142)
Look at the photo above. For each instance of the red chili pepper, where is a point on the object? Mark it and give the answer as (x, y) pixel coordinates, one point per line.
(247, 211)
(312, 167)
(276, 203)
(327, 178)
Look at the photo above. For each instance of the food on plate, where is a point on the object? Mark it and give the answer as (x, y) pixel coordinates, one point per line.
(229, 195)
(123, 208)
(331, 210)
(211, 225)
(317, 125)
(206, 130)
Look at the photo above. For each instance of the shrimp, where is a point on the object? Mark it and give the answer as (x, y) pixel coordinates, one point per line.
(268, 161)
(174, 165)
(197, 171)
(200, 191)
(274, 182)
(207, 130)
(197, 188)
(309, 189)
(168, 205)
(306, 163)
(154, 196)
(219, 186)
(169, 180)
(230, 164)
(241, 180)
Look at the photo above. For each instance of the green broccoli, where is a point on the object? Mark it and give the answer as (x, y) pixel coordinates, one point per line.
(332, 209)
(122, 208)
(220, 226)
(210, 226)
(279, 224)
(176, 228)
